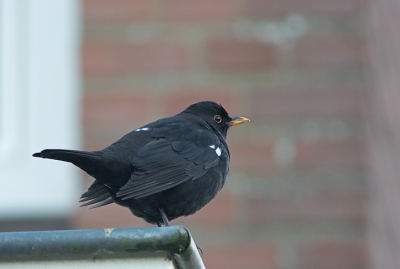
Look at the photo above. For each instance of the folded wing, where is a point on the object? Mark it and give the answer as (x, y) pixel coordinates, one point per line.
(161, 165)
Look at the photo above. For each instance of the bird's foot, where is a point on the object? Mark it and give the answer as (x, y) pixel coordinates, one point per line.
(199, 249)
(167, 223)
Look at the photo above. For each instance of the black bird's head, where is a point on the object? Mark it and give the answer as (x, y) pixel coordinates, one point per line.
(215, 116)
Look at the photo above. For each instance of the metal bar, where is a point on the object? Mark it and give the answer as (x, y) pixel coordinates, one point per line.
(190, 257)
(174, 239)
(174, 242)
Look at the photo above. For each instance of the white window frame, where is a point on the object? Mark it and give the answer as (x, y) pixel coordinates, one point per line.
(39, 106)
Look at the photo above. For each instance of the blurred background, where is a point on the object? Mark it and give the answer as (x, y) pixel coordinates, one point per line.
(314, 179)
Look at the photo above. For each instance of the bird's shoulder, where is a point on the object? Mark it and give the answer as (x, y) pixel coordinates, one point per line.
(178, 129)
(179, 142)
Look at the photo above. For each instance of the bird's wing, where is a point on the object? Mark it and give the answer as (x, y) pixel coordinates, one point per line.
(162, 164)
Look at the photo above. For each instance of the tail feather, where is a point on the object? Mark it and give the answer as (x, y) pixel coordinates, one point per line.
(83, 159)
(95, 190)
(97, 194)
(107, 201)
(66, 155)
(91, 162)
(97, 199)
(90, 194)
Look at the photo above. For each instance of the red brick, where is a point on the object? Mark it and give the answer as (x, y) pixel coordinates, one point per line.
(219, 212)
(109, 216)
(331, 51)
(331, 155)
(265, 8)
(240, 255)
(234, 55)
(323, 206)
(178, 100)
(280, 105)
(332, 255)
(122, 59)
(110, 109)
(192, 10)
(95, 11)
(252, 156)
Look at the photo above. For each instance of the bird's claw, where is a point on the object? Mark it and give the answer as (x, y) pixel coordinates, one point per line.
(199, 249)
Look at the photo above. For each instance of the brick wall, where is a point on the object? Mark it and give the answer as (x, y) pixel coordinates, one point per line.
(384, 135)
(296, 194)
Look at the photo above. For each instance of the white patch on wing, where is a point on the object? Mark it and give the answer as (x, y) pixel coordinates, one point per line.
(142, 129)
(212, 146)
(218, 151)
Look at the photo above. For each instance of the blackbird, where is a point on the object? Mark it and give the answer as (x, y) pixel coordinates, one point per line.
(168, 168)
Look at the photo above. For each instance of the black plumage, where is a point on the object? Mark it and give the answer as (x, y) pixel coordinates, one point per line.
(169, 168)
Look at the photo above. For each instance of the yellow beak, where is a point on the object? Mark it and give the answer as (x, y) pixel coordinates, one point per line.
(237, 121)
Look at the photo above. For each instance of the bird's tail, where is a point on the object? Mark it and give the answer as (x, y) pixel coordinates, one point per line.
(82, 159)
(98, 193)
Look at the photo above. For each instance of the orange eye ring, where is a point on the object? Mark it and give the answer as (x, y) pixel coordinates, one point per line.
(218, 118)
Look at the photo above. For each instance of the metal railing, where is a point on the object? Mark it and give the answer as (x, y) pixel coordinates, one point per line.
(165, 247)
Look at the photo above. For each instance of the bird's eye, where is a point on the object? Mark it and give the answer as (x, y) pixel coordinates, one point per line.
(218, 118)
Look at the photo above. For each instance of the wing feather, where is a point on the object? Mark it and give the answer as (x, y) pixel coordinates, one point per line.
(161, 165)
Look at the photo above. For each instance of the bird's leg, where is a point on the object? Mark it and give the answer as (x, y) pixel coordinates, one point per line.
(166, 223)
(164, 217)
